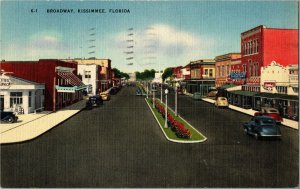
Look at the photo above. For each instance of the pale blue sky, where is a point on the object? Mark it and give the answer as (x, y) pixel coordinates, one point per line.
(183, 31)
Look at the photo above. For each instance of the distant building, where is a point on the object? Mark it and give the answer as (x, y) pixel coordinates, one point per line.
(202, 76)
(91, 76)
(223, 67)
(106, 70)
(158, 77)
(132, 77)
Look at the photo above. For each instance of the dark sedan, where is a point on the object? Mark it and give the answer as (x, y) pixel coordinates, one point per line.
(262, 126)
(9, 117)
(94, 101)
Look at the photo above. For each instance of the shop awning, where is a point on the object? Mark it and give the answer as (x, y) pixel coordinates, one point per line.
(75, 83)
(71, 78)
(243, 93)
(228, 86)
(277, 96)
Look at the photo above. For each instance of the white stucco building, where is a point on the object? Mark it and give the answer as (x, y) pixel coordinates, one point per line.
(20, 95)
(276, 78)
(90, 76)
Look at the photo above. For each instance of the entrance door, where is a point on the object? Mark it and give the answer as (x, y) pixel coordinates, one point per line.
(1, 102)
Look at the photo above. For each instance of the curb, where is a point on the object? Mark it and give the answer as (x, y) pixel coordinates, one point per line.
(25, 123)
(172, 140)
(247, 113)
(42, 133)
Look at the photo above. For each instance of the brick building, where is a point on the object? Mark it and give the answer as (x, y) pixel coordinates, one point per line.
(223, 67)
(62, 85)
(261, 45)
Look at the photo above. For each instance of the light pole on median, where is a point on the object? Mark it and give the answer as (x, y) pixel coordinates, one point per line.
(176, 104)
(161, 88)
(147, 88)
(166, 109)
(153, 95)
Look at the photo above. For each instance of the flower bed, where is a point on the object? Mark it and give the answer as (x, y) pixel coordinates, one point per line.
(176, 126)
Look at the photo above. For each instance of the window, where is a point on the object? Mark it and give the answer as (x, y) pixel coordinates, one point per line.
(228, 69)
(250, 68)
(210, 72)
(206, 72)
(244, 68)
(87, 74)
(223, 71)
(219, 71)
(250, 47)
(29, 99)
(257, 46)
(16, 98)
(281, 89)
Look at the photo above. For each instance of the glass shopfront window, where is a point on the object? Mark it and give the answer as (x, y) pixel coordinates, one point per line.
(16, 98)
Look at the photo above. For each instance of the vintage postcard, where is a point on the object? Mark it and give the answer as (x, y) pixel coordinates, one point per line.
(149, 94)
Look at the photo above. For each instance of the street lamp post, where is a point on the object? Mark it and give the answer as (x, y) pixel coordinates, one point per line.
(161, 88)
(147, 88)
(166, 109)
(153, 95)
(176, 104)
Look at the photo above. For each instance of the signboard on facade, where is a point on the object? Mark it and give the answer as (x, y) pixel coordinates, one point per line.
(237, 76)
(269, 85)
(5, 82)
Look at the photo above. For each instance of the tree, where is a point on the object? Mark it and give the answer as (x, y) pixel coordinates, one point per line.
(167, 73)
(119, 74)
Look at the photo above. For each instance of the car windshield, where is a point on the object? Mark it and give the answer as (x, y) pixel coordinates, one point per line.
(267, 121)
(273, 111)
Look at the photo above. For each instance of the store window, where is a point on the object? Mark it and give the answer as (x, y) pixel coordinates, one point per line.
(250, 48)
(16, 99)
(281, 89)
(223, 71)
(29, 99)
(87, 74)
(210, 72)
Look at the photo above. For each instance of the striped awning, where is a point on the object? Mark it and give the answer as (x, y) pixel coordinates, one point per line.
(73, 83)
(70, 78)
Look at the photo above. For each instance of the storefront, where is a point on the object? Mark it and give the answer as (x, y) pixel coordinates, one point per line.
(200, 86)
(243, 99)
(287, 105)
(20, 95)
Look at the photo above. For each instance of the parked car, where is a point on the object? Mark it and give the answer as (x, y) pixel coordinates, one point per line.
(94, 101)
(197, 96)
(105, 96)
(262, 126)
(9, 117)
(138, 92)
(113, 91)
(212, 93)
(221, 102)
(270, 112)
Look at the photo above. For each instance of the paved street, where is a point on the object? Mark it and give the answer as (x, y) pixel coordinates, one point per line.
(121, 145)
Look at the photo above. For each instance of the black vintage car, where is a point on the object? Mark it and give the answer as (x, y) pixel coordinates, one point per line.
(262, 126)
(9, 117)
(94, 101)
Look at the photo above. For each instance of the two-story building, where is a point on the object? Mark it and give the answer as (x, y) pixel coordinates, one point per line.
(223, 67)
(279, 89)
(105, 74)
(202, 76)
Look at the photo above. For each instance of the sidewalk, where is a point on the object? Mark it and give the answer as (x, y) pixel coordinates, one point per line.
(286, 122)
(33, 125)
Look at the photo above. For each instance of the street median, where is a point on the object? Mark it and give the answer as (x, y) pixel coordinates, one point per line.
(179, 130)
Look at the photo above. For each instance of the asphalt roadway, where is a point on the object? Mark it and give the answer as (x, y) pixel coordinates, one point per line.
(121, 145)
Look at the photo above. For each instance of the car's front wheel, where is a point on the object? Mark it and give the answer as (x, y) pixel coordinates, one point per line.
(256, 135)
(10, 120)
